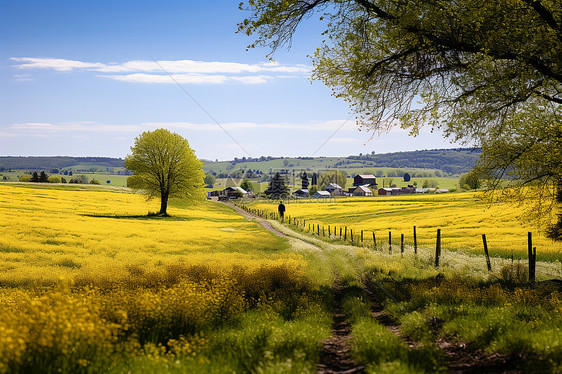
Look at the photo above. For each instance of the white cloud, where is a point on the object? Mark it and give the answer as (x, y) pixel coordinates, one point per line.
(23, 78)
(184, 71)
(54, 63)
(158, 78)
(82, 127)
(85, 126)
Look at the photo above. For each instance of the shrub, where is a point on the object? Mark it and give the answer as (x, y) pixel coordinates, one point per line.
(515, 272)
(25, 178)
(54, 179)
(95, 181)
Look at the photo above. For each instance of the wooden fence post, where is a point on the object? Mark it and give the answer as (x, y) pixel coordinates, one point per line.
(415, 242)
(351, 234)
(318, 229)
(374, 241)
(402, 243)
(329, 231)
(323, 234)
(488, 263)
(340, 232)
(345, 234)
(438, 248)
(389, 241)
(534, 263)
(361, 236)
(532, 257)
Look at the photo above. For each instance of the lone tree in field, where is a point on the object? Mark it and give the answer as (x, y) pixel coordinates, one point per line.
(487, 73)
(165, 166)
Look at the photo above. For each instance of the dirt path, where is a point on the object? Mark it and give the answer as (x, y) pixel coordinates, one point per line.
(266, 225)
(335, 353)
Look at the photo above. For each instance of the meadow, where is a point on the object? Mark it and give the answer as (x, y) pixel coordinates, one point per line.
(90, 283)
(462, 218)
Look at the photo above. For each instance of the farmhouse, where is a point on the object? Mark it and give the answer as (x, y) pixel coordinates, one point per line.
(303, 192)
(362, 191)
(387, 191)
(334, 189)
(231, 191)
(321, 195)
(364, 179)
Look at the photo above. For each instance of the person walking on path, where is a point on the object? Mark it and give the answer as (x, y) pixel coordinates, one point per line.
(281, 210)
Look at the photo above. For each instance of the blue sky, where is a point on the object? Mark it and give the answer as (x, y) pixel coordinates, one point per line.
(83, 78)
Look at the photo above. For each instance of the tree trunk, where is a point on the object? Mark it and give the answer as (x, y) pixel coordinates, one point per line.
(163, 204)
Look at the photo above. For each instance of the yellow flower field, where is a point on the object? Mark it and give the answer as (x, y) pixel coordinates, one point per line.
(52, 233)
(89, 282)
(462, 218)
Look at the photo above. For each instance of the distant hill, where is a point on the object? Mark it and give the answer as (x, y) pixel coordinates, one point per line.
(450, 161)
(57, 162)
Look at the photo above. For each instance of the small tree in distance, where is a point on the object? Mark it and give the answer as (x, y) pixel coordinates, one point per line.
(165, 166)
(247, 185)
(43, 177)
(209, 179)
(277, 187)
(34, 177)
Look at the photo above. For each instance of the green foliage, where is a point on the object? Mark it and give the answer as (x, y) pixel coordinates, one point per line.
(165, 166)
(470, 181)
(488, 73)
(82, 179)
(277, 188)
(43, 177)
(25, 178)
(429, 183)
(529, 157)
(95, 181)
(209, 179)
(515, 273)
(54, 179)
(247, 185)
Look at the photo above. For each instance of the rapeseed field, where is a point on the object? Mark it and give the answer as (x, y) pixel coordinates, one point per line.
(50, 233)
(462, 218)
(90, 283)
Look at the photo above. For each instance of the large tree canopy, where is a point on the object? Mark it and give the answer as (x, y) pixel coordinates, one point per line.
(165, 166)
(488, 73)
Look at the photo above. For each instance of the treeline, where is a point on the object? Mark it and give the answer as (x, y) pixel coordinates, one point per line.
(43, 177)
(56, 162)
(451, 161)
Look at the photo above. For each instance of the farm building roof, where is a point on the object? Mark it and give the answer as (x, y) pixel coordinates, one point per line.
(333, 185)
(321, 194)
(363, 188)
